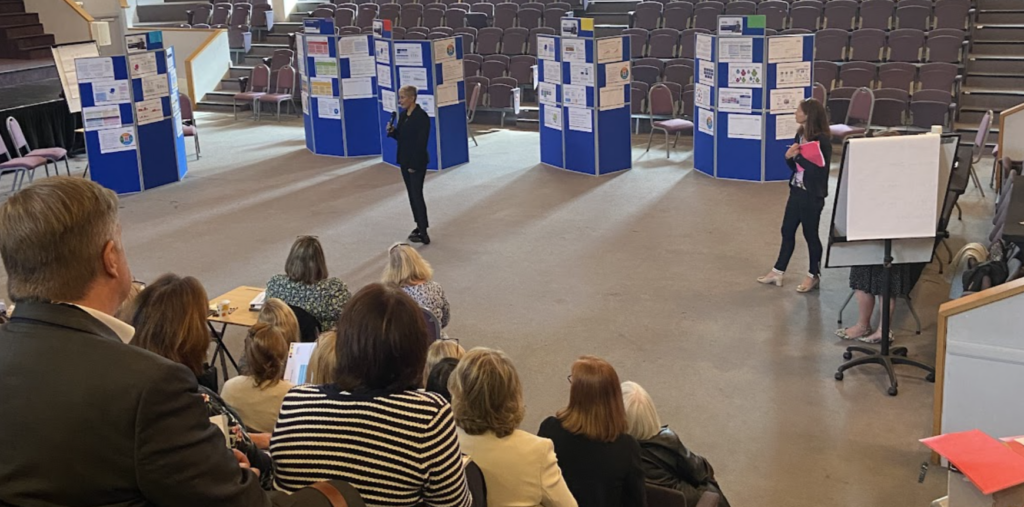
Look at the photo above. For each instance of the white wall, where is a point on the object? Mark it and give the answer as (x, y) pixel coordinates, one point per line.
(282, 8)
(213, 62)
(63, 19)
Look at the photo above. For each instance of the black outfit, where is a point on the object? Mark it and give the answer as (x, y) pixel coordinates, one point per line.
(669, 464)
(870, 279)
(806, 200)
(599, 474)
(412, 134)
(88, 420)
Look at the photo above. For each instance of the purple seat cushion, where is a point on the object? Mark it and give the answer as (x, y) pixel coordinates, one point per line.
(248, 95)
(842, 130)
(674, 125)
(275, 97)
(188, 130)
(49, 153)
(29, 162)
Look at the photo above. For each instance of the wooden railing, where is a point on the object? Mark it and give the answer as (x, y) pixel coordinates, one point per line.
(1011, 136)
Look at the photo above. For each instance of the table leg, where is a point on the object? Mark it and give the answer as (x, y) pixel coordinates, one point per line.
(221, 347)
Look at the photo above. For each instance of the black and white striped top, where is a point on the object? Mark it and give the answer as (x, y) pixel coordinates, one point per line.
(397, 449)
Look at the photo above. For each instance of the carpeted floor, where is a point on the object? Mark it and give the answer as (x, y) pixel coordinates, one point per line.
(652, 269)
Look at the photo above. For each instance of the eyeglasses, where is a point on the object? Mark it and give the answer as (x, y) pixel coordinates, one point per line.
(396, 245)
(569, 378)
(456, 340)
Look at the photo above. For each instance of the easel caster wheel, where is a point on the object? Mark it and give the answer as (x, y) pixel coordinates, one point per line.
(892, 391)
(930, 377)
(839, 374)
(847, 355)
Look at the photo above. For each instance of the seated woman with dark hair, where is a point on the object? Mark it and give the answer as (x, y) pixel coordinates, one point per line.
(667, 462)
(305, 283)
(437, 380)
(370, 426)
(170, 321)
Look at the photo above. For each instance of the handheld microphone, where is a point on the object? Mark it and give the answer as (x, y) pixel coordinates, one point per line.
(394, 115)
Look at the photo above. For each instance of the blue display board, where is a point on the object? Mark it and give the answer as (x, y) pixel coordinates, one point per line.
(747, 87)
(132, 116)
(434, 67)
(583, 88)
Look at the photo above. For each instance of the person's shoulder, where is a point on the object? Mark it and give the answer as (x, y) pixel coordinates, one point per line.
(530, 444)
(425, 400)
(551, 425)
(235, 384)
(332, 283)
(277, 282)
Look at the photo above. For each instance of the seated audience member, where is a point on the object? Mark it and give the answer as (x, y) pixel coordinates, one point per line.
(170, 321)
(277, 314)
(257, 397)
(667, 462)
(519, 468)
(437, 380)
(371, 415)
(867, 283)
(600, 461)
(408, 270)
(118, 425)
(322, 363)
(305, 283)
(442, 349)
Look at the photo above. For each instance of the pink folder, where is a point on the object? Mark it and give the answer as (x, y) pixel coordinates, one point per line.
(990, 464)
(812, 152)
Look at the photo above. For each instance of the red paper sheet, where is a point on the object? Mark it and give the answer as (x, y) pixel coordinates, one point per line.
(812, 152)
(987, 462)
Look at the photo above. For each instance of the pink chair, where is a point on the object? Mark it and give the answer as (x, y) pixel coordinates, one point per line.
(858, 116)
(282, 91)
(662, 105)
(50, 154)
(19, 166)
(474, 99)
(259, 84)
(188, 120)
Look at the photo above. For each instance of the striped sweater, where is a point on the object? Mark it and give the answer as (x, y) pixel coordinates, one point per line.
(397, 449)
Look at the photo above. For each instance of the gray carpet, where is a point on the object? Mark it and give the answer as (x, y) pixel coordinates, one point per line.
(652, 269)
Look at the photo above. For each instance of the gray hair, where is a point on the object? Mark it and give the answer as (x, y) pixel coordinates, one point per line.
(408, 91)
(52, 236)
(642, 419)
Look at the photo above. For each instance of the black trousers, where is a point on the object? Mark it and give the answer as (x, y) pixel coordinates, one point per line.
(414, 178)
(802, 209)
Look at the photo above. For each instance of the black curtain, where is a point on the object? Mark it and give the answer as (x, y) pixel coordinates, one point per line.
(46, 125)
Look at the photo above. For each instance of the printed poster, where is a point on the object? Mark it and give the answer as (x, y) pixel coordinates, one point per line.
(581, 74)
(574, 50)
(737, 100)
(785, 100)
(785, 127)
(110, 92)
(329, 108)
(746, 75)
(612, 97)
(381, 52)
(545, 48)
(408, 54)
(326, 67)
(553, 117)
(305, 104)
(94, 69)
(702, 95)
(702, 47)
(135, 43)
(552, 72)
(706, 121)
(353, 46)
(452, 71)
(154, 86)
(616, 73)
(744, 126)
(706, 72)
(321, 86)
(383, 76)
(447, 94)
(100, 117)
(357, 88)
(609, 50)
(574, 95)
(793, 75)
(548, 94)
(387, 101)
(317, 47)
(736, 49)
(117, 139)
(785, 49)
(581, 119)
(361, 66)
(444, 49)
(730, 25)
(142, 64)
(149, 111)
(427, 103)
(413, 76)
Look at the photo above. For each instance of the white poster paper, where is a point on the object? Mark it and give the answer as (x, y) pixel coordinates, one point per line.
(736, 100)
(702, 46)
(149, 111)
(94, 69)
(408, 54)
(387, 100)
(179, 129)
(545, 48)
(427, 103)
(155, 86)
(444, 49)
(317, 47)
(706, 72)
(99, 117)
(706, 121)
(110, 92)
(785, 49)
(413, 76)
(383, 76)
(570, 27)
(609, 50)
(135, 43)
(735, 49)
(581, 119)
(305, 104)
(744, 126)
(357, 88)
(730, 25)
(573, 95)
(326, 67)
(702, 95)
(793, 75)
(117, 139)
(447, 94)
(574, 50)
(785, 127)
(746, 75)
(553, 117)
(353, 46)
(381, 52)
(321, 87)
(328, 108)
(361, 66)
(142, 64)
(300, 59)
(612, 97)
(616, 73)
(552, 72)
(785, 100)
(547, 93)
(581, 74)
(452, 71)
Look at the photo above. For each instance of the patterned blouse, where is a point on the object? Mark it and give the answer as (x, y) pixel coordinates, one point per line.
(430, 295)
(323, 300)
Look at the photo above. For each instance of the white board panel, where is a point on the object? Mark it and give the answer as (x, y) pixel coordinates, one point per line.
(65, 56)
(840, 209)
(1013, 137)
(947, 156)
(871, 253)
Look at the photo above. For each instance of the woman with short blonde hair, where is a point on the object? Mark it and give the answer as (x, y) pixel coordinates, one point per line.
(487, 401)
(442, 349)
(642, 421)
(276, 313)
(323, 363)
(408, 270)
(305, 283)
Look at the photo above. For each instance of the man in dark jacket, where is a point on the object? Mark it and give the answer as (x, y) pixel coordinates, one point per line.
(413, 134)
(86, 419)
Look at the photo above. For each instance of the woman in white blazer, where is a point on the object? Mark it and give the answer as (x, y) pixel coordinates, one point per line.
(520, 469)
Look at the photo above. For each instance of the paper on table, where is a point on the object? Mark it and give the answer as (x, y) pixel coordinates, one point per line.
(98, 117)
(735, 49)
(299, 355)
(427, 103)
(581, 119)
(408, 54)
(706, 121)
(117, 139)
(357, 88)
(545, 48)
(384, 76)
(574, 95)
(452, 71)
(746, 75)
(785, 100)
(328, 108)
(110, 92)
(581, 74)
(706, 72)
(609, 50)
(990, 465)
(743, 126)
(612, 97)
(736, 100)
(382, 52)
(353, 46)
(142, 64)
(361, 66)
(702, 46)
(317, 46)
(552, 72)
(387, 100)
(149, 111)
(154, 86)
(94, 69)
(553, 117)
(444, 49)
(785, 127)
(413, 76)
(616, 73)
(574, 50)
(785, 49)
(326, 67)
(447, 94)
(547, 93)
(791, 75)
(702, 95)
(321, 87)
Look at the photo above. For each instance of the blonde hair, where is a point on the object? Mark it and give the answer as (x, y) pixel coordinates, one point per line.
(486, 393)
(266, 351)
(127, 308)
(408, 91)
(439, 350)
(279, 315)
(405, 267)
(642, 421)
(306, 262)
(323, 362)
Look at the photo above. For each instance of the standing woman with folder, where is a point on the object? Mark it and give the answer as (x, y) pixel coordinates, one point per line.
(413, 133)
(809, 157)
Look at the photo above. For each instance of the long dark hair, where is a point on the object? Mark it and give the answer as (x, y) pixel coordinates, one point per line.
(816, 124)
(170, 320)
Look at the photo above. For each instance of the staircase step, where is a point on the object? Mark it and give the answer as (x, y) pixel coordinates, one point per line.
(265, 49)
(1001, 16)
(1002, 47)
(7, 32)
(984, 5)
(35, 53)
(306, 6)
(12, 6)
(229, 85)
(25, 18)
(215, 107)
(1004, 82)
(969, 131)
(998, 32)
(31, 41)
(972, 115)
(995, 65)
(991, 99)
(238, 71)
(287, 27)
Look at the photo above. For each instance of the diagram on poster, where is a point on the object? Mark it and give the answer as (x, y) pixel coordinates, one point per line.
(609, 50)
(387, 100)
(329, 108)
(317, 47)
(744, 126)
(547, 93)
(581, 74)
(545, 48)
(785, 127)
(574, 50)
(706, 73)
(785, 49)
(153, 86)
(616, 73)
(785, 100)
(149, 111)
(360, 66)
(793, 75)
(353, 46)
(553, 117)
(452, 71)
(702, 95)
(383, 76)
(447, 94)
(746, 75)
(117, 139)
(612, 97)
(94, 69)
(357, 88)
(142, 64)
(706, 121)
(413, 76)
(381, 51)
(325, 66)
(98, 117)
(427, 103)
(444, 49)
(110, 92)
(581, 119)
(574, 95)
(321, 87)
(408, 54)
(552, 72)
(735, 49)
(737, 100)
(702, 46)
